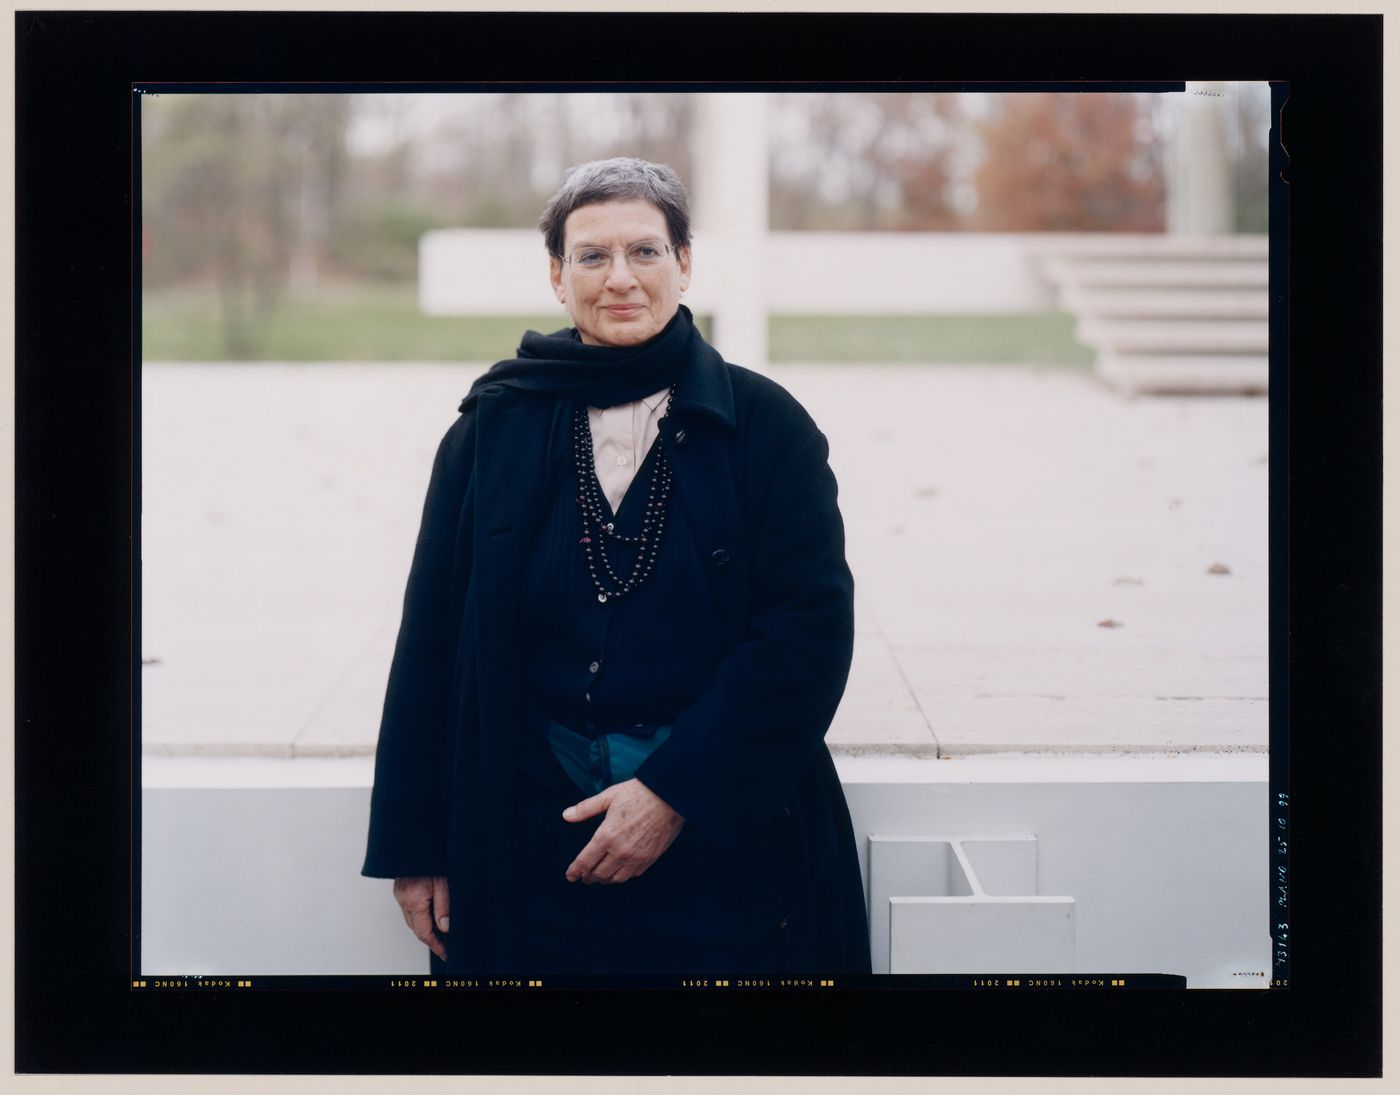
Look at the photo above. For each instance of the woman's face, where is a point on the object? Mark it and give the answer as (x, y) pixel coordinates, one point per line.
(619, 306)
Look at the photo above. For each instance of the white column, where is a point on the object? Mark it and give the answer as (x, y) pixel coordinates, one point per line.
(1200, 192)
(730, 196)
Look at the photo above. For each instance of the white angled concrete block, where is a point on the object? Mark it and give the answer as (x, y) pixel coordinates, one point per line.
(941, 904)
(1003, 866)
(901, 865)
(981, 934)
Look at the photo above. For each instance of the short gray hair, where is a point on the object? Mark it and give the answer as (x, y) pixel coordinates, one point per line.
(620, 179)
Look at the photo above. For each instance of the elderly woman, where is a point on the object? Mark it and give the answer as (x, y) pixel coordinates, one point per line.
(627, 628)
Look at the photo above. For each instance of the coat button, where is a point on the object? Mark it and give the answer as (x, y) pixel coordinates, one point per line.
(719, 557)
(593, 667)
(680, 439)
(782, 924)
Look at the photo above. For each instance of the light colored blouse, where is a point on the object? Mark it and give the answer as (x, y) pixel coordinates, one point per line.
(621, 437)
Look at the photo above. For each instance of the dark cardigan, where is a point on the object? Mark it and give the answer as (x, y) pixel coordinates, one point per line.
(745, 762)
(634, 660)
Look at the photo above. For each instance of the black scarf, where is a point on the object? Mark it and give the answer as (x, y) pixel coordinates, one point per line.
(597, 376)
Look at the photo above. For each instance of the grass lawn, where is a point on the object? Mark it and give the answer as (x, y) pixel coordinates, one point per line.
(382, 323)
(338, 323)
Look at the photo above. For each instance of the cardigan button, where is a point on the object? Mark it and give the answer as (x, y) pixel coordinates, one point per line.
(719, 557)
(680, 439)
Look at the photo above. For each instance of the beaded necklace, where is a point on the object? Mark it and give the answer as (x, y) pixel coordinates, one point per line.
(590, 504)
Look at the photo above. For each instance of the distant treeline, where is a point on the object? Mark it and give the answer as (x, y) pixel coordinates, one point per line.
(257, 195)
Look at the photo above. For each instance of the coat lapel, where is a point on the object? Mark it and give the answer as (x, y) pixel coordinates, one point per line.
(704, 481)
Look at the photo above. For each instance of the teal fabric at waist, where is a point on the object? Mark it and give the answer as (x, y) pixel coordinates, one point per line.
(596, 763)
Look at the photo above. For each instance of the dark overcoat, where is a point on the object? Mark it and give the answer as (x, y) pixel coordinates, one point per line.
(745, 765)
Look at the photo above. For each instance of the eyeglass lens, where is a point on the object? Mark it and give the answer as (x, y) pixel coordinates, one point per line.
(640, 256)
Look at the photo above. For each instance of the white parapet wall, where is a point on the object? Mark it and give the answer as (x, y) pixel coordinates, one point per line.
(490, 271)
(251, 866)
(1165, 857)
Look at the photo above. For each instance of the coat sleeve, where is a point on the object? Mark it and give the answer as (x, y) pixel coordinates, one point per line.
(735, 756)
(412, 770)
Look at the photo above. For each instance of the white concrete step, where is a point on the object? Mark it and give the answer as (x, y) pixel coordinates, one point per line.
(1159, 273)
(1169, 374)
(1114, 303)
(1167, 313)
(1148, 245)
(1155, 336)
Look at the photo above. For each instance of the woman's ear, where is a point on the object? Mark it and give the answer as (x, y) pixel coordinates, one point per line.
(556, 278)
(683, 261)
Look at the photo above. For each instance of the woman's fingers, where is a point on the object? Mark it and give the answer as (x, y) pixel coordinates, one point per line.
(441, 902)
(593, 852)
(415, 898)
(603, 872)
(587, 861)
(640, 826)
(423, 929)
(590, 807)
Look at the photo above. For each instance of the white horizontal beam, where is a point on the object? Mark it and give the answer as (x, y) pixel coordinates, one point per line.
(505, 272)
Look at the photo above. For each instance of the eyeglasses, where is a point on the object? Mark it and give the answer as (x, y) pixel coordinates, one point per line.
(642, 256)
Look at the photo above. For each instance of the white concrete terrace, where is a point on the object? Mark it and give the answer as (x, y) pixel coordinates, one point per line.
(1041, 566)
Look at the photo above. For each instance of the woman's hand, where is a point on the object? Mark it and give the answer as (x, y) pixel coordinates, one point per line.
(639, 826)
(423, 901)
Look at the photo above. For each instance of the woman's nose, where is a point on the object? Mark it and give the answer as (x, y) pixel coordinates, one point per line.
(620, 273)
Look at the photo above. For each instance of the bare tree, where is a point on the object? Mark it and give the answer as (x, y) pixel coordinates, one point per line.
(235, 188)
(865, 160)
(1070, 162)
